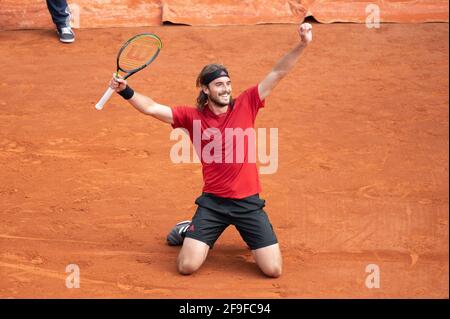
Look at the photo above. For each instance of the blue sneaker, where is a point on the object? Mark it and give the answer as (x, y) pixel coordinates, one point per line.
(176, 235)
(65, 34)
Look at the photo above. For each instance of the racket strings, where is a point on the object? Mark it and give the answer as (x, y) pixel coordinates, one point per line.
(138, 53)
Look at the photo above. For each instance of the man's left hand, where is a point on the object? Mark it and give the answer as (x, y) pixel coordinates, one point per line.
(305, 32)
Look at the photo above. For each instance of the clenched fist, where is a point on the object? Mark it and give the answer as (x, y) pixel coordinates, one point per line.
(117, 84)
(305, 32)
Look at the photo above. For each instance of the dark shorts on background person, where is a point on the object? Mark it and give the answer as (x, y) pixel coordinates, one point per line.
(214, 214)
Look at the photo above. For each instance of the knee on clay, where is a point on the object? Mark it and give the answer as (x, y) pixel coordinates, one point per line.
(187, 267)
(273, 270)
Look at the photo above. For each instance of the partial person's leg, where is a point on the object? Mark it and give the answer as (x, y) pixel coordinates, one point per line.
(255, 228)
(192, 255)
(205, 228)
(269, 260)
(60, 12)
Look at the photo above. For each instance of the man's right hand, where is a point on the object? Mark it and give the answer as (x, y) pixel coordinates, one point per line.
(117, 84)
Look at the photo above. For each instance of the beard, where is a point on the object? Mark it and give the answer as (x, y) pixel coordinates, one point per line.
(218, 102)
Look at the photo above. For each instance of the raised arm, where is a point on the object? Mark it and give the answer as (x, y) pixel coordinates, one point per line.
(143, 103)
(286, 64)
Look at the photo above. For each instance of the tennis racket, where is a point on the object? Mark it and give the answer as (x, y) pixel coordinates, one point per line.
(137, 53)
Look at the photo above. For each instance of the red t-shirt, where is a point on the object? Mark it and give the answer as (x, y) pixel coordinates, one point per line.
(229, 165)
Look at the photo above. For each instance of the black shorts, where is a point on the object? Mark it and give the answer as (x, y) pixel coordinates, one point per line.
(214, 214)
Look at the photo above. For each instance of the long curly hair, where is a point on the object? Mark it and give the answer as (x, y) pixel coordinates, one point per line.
(202, 98)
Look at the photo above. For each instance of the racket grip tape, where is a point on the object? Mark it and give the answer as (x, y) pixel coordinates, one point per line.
(104, 98)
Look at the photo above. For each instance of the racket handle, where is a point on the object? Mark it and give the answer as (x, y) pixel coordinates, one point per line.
(104, 99)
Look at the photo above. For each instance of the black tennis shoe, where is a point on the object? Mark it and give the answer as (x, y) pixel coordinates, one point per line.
(176, 235)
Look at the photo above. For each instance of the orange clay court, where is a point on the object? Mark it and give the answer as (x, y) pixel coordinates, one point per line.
(362, 175)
